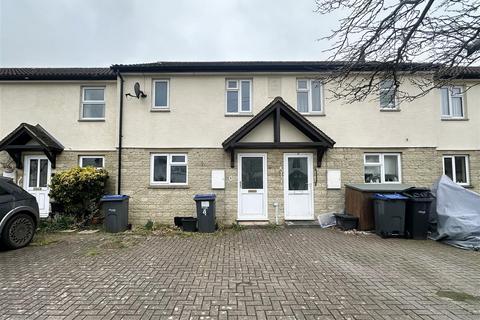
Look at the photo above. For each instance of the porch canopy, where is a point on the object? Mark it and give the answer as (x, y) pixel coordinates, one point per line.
(282, 115)
(27, 137)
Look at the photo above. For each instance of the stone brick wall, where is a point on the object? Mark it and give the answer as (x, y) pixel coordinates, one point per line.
(162, 203)
(69, 159)
(420, 167)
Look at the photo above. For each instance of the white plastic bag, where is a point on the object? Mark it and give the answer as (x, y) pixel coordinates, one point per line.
(327, 220)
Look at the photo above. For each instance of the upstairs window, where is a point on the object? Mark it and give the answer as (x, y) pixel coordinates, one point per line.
(168, 169)
(92, 161)
(93, 103)
(452, 102)
(239, 96)
(456, 167)
(309, 96)
(160, 94)
(387, 96)
(382, 167)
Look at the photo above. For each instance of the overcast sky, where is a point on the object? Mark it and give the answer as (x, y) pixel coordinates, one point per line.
(104, 32)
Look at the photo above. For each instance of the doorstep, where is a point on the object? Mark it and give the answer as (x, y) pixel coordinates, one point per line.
(253, 223)
(302, 224)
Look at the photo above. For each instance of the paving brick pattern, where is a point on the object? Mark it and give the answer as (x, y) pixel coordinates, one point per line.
(250, 274)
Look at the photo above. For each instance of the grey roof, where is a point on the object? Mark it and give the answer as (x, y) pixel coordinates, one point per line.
(7, 74)
(471, 72)
(57, 74)
(379, 187)
(299, 121)
(36, 132)
(258, 66)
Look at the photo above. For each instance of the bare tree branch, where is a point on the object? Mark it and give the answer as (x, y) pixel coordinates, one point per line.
(437, 39)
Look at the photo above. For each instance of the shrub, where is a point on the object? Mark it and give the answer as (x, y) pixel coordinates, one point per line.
(78, 190)
(57, 223)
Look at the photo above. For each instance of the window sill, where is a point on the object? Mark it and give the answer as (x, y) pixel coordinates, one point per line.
(246, 114)
(454, 119)
(467, 186)
(91, 120)
(168, 186)
(386, 182)
(313, 114)
(390, 110)
(159, 109)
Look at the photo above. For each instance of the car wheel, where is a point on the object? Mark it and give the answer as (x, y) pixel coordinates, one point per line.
(19, 231)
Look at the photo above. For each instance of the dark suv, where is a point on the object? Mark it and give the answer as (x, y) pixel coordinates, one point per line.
(19, 215)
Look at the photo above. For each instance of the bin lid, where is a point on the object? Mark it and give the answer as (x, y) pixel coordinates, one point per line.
(114, 197)
(390, 196)
(345, 216)
(205, 197)
(418, 193)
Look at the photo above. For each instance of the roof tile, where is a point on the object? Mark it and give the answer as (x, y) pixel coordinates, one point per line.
(57, 74)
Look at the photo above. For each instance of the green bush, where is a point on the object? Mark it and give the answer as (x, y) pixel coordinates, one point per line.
(79, 190)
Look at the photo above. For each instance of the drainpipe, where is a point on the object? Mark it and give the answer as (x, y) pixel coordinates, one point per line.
(275, 205)
(120, 136)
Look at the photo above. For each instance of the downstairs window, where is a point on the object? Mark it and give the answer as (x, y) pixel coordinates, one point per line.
(92, 161)
(382, 168)
(456, 168)
(168, 169)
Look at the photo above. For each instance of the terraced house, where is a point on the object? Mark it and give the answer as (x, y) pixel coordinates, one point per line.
(265, 137)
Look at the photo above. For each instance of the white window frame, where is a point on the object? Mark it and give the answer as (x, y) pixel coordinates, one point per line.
(310, 99)
(395, 99)
(454, 173)
(102, 102)
(239, 95)
(450, 96)
(154, 107)
(80, 160)
(170, 164)
(381, 163)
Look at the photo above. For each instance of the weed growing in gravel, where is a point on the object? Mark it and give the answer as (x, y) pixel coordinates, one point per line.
(58, 223)
(92, 252)
(237, 227)
(44, 239)
(273, 227)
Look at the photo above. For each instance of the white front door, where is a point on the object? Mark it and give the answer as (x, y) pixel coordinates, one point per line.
(36, 178)
(252, 186)
(298, 187)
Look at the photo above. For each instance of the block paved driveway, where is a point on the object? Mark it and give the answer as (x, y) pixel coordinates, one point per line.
(255, 273)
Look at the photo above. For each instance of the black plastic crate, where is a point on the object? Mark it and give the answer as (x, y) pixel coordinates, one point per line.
(346, 221)
(189, 224)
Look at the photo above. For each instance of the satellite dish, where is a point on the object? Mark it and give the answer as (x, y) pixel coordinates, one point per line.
(138, 92)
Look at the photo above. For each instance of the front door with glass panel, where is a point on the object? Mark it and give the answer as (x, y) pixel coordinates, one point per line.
(252, 190)
(36, 179)
(298, 186)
